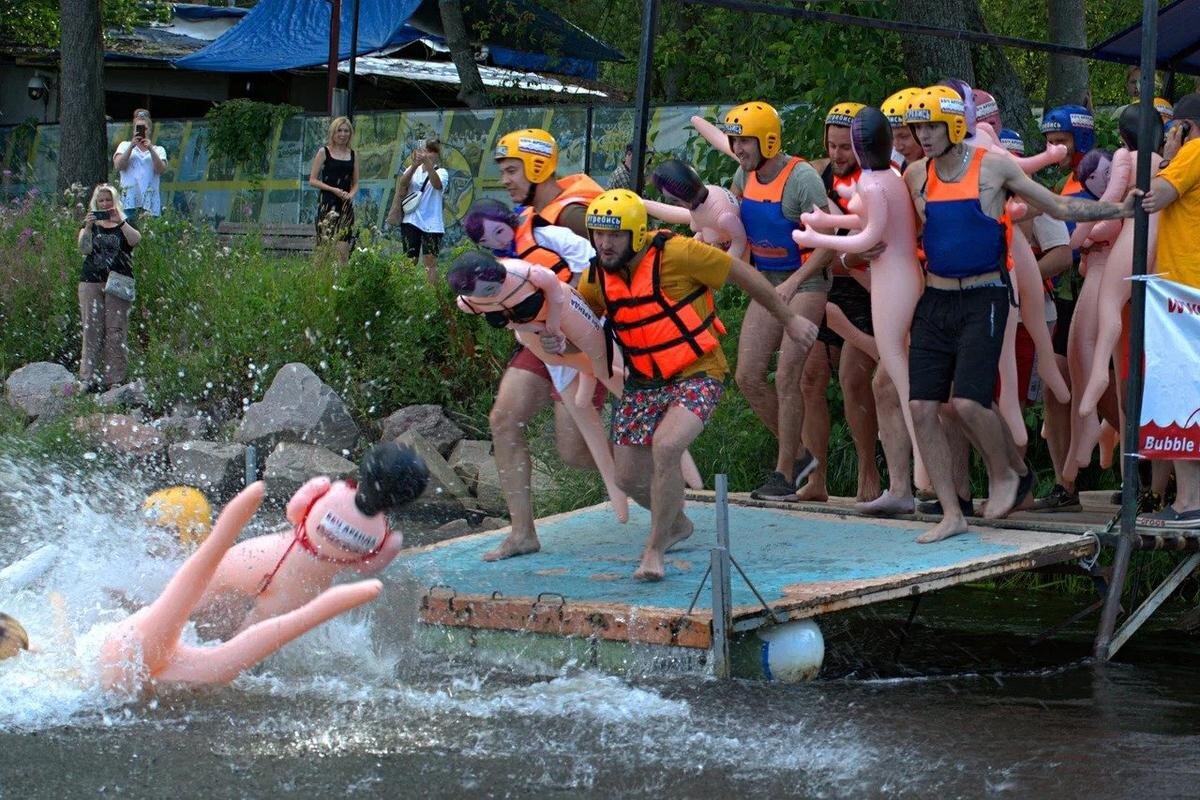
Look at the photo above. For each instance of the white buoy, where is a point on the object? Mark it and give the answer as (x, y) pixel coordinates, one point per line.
(792, 652)
(20, 574)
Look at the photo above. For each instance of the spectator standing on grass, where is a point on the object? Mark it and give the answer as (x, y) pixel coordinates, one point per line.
(335, 172)
(421, 187)
(106, 289)
(141, 164)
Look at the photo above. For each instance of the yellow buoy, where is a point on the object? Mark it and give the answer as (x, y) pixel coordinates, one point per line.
(181, 509)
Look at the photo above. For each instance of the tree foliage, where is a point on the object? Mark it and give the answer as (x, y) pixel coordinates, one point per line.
(35, 23)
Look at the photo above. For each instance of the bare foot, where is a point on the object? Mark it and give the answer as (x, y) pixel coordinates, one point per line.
(683, 529)
(515, 544)
(813, 492)
(949, 526)
(1002, 495)
(1019, 497)
(651, 569)
(868, 488)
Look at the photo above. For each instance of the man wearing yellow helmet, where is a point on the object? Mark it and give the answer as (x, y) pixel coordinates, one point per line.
(656, 290)
(958, 327)
(839, 172)
(775, 189)
(528, 160)
(906, 149)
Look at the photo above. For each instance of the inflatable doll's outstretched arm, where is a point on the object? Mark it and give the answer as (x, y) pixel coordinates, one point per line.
(859, 242)
(1052, 155)
(820, 220)
(713, 135)
(668, 213)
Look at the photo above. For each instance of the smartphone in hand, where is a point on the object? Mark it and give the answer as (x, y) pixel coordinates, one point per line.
(101, 214)
(141, 131)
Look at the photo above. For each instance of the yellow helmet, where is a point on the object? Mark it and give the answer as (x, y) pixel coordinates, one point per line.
(843, 114)
(619, 210)
(939, 104)
(894, 107)
(759, 120)
(183, 510)
(13, 638)
(535, 148)
(1164, 109)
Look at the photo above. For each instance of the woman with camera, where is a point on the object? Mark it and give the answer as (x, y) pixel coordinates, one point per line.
(335, 172)
(106, 289)
(417, 206)
(140, 163)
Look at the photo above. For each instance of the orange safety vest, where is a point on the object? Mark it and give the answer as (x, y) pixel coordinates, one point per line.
(576, 189)
(527, 248)
(659, 335)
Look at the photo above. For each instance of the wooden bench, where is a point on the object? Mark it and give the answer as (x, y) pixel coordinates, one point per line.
(276, 237)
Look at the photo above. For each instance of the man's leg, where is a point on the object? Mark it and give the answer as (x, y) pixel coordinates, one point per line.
(1187, 486)
(854, 375)
(668, 524)
(760, 338)
(817, 373)
(938, 462)
(897, 451)
(789, 383)
(521, 395)
(431, 245)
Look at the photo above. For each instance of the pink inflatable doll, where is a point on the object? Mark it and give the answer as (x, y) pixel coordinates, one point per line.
(337, 525)
(885, 215)
(711, 211)
(532, 301)
(1108, 178)
(1114, 286)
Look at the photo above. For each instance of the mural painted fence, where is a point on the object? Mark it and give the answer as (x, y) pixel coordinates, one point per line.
(201, 187)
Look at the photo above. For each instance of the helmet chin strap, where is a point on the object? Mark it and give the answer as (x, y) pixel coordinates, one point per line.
(528, 201)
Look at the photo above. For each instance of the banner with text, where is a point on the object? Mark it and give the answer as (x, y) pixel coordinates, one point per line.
(1170, 424)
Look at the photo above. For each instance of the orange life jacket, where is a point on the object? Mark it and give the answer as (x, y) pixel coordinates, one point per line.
(660, 336)
(576, 189)
(526, 248)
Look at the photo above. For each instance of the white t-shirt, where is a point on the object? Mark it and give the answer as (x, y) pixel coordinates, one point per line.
(139, 181)
(575, 250)
(428, 216)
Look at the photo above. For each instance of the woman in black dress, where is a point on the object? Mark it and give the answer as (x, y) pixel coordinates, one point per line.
(105, 289)
(335, 172)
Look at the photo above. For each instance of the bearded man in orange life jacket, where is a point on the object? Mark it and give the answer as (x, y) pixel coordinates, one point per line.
(527, 160)
(839, 171)
(959, 323)
(656, 291)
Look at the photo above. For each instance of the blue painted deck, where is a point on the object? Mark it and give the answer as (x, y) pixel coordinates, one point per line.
(588, 557)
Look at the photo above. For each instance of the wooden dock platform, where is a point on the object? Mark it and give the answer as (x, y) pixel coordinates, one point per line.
(803, 562)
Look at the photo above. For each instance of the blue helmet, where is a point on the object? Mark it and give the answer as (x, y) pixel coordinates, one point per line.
(1011, 141)
(1075, 120)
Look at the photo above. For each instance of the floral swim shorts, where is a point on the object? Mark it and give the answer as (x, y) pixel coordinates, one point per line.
(640, 410)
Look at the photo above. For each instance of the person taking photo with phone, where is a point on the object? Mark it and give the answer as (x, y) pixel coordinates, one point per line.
(417, 206)
(106, 289)
(141, 163)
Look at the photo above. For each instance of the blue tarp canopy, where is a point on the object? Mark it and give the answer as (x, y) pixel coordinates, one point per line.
(291, 34)
(1178, 40)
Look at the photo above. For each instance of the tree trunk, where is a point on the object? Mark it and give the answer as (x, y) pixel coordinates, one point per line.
(997, 76)
(928, 60)
(1067, 82)
(83, 152)
(471, 89)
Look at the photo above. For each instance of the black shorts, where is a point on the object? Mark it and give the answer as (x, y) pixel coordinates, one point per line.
(956, 340)
(1064, 310)
(417, 241)
(855, 302)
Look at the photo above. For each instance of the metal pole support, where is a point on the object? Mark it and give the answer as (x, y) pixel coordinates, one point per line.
(722, 607)
(251, 465)
(641, 108)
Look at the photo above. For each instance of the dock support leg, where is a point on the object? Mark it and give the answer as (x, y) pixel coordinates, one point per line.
(1116, 585)
(1152, 602)
(722, 612)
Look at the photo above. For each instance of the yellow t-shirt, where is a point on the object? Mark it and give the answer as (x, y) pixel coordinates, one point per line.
(685, 266)
(1179, 223)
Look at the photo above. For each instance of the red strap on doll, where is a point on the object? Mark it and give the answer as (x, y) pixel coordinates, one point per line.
(300, 536)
